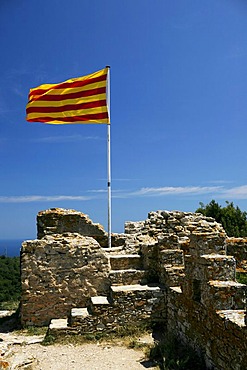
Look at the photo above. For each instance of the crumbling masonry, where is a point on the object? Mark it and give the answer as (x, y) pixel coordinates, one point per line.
(175, 268)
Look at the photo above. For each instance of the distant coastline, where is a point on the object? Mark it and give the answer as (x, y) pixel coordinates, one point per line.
(10, 247)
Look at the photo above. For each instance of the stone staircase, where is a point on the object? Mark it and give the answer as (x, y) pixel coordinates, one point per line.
(126, 269)
(130, 301)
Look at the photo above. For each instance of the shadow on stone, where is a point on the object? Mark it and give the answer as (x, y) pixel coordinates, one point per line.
(147, 364)
(10, 322)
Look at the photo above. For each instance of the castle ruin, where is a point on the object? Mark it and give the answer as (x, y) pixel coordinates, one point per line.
(177, 269)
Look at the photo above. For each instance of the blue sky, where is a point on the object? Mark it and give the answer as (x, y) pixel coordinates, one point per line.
(178, 108)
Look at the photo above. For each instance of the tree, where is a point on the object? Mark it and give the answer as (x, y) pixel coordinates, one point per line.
(233, 220)
(10, 285)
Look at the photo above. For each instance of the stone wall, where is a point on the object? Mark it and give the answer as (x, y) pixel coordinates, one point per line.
(218, 336)
(59, 272)
(208, 311)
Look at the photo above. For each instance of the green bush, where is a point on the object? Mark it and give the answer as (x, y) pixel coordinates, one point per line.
(233, 220)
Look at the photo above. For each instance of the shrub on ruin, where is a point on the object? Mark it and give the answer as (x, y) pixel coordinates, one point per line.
(233, 220)
(10, 285)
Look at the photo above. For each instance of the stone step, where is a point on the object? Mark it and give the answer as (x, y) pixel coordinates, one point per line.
(137, 302)
(128, 304)
(99, 300)
(113, 250)
(125, 261)
(127, 277)
(58, 327)
(96, 317)
(224, 295)
(236, 316)
(134, 288)
(58, 324)
(98, 305)
(77, 315)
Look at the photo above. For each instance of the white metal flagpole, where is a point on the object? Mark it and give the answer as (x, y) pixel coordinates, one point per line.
(109, 158)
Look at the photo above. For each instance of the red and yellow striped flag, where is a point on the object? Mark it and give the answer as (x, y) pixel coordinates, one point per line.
(79, 100)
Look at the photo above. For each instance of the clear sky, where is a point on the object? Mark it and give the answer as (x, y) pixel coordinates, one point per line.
(178, 108)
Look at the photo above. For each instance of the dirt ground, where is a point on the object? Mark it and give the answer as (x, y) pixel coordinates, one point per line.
(20, 351)
(69, 357)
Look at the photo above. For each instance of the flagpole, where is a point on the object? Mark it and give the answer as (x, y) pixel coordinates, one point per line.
(109, 158)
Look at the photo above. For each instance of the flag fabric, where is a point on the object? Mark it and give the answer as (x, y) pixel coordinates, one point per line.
(78, 100)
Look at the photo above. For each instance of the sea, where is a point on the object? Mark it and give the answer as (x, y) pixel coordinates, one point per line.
(10, 247)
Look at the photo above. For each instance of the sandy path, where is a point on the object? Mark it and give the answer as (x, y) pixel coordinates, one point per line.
(69, 357)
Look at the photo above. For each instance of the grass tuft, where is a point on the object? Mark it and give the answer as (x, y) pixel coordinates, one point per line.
(126, 335)
(241, 277)
(48, 340)
(33, 330)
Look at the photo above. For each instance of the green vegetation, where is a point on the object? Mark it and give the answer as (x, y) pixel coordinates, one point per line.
(9, 305)
(10, 286)
(233, 220)
(127, 334)
(241, 277)
(32, 330)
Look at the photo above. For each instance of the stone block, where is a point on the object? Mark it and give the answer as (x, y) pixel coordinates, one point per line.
(173, 257)
(133, 227)
(224, 295)
(207, 243)
(127, 277)
(100, 300)
(78, 316)
(98, 305)
(123, 289)
(235, 316)
(79, 312)
(210, 267)
(58, 324)
(172, 276)
(125, 261)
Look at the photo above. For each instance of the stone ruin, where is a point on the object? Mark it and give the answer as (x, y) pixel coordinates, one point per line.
(176, 269)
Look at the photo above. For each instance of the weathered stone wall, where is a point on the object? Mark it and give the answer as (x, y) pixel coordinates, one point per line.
(166, 236)
(218, 336)
(205, 305)
(162, 225)
(59, 272)
(208, 313)
(60, 221)
(237, 247)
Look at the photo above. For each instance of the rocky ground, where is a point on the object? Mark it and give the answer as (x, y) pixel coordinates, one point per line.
(21, 351)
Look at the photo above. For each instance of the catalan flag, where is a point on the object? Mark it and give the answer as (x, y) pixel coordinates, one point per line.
(78, 100)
